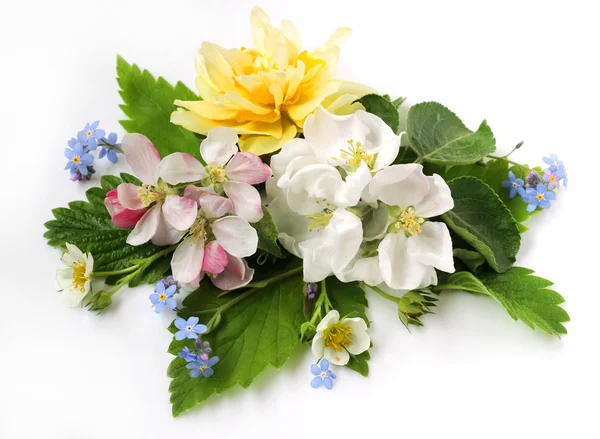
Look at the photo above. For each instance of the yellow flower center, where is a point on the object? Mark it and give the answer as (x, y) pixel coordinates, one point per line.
(217, 174)
(89, 133)
(356, 153)
(79, 277)
(338, 336)
(408, 221)
(318, 221)
(162, 297)
(76, 160)
(198, 231)
(202, 368)
(148, 195)
(540, 197)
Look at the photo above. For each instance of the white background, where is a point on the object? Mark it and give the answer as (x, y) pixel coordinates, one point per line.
(531, 69)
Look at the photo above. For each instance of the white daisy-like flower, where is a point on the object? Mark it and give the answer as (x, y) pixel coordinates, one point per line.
(336, 339)
(74, 281)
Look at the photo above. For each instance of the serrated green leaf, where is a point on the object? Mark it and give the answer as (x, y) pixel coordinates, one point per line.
(88, 226)
(526, 297)
(267, 233)
(360, 363)
(379, 106)
(148, 102)
(473, 260)
(258, 331)
(349, 299)
(438, 136)
(482, 220)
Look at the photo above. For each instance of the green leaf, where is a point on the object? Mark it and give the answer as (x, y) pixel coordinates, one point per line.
(482, 220)
(88, 226)
(267, 233)
(349, 299)
(258, 331)
(359, 363)
(379, 106)
(439, 136)
(148, 103)
(493, 174)
(473, 260)
(413, 305)
(526, 297)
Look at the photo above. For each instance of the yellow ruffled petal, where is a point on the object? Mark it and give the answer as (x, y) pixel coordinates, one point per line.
(339, 37)
(261, 145)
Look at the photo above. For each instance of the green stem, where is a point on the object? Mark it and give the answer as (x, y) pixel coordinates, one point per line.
(110, 145)
(384, 294)
(116, 272)
(266, 282)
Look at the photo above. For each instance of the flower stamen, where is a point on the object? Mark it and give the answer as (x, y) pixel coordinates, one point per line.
(338, 336)
(79, 276)
(355, 154)
(148, 195)
(318, 221)
(217, 174)
(408, 221)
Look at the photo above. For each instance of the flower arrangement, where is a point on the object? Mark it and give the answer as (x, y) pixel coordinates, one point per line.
(264, 209)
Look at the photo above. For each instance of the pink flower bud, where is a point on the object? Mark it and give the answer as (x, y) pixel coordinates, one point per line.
(121, 217)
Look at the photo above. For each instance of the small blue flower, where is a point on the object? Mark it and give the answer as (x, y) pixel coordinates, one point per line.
(515, 184)
(552, 179)
(188, 355)
(539, 196)
(201, 367)
(323, 376)
(107, 148)
(79, 159)
(189, 328)
(163, 297)
(554, 162)
(168, 281)
(90, 135)
(533, 179)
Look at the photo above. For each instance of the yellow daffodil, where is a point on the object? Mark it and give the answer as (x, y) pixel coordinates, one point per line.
(266, 93)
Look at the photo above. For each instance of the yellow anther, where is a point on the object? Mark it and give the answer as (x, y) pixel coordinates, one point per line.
(408, 221)
(217, 174)
(79, 277)
(338, 336)
(356, 154)
(318, 221)
(148, 195)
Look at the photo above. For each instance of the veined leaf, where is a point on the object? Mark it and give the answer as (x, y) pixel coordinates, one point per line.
(526, 297)
(258, 331)
(483, 221)
(88, 226)
(148, 103)
(267, 233)
(386, 110)
(439, 136)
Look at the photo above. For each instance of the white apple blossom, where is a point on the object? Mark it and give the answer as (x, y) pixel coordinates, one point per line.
(336, 339)
(401, 247)
(74, 281)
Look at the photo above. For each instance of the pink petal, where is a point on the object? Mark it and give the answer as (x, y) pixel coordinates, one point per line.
(186, 263)
(166, 234)
(236, 274)
(180, 167)
(246, 200)
(193, 285)
(215, 258)
(129, 196)
(146, 227)
(180, 212)
(219, 146)
(247, 168)
(194, 192)
(142, 156)
(215, 206)
(128, 218)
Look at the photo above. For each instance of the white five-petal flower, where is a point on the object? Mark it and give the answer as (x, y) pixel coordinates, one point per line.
(336, 339)
(74, 281)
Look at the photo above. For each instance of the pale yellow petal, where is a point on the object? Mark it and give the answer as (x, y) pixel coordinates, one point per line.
(291, 33)
(217, 67)
(208, 109)
(260, 145)
(339, 37)
(261, 26)
(238, 101)
(302, 109)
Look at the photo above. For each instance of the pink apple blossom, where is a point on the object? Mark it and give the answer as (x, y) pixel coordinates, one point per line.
(121, 217)
(167, 214)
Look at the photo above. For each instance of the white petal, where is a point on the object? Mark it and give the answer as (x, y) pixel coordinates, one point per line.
(215, 206)
(186, 263)
(375, 225)
(72, 255)
(438, 199)
(318, 345)
(399, 270)
(128, 196)
(433, 246)
(219, 146)
(142, 156)
(64, 278)
(343, 237)
(339, 358)
(380, 139)
(180, 212)
(166, 234)
(351, 190)
(236, 236)
(246, 200)
(313, 183)
(72, 297)
(330, 318)
(362, 269)
(180, 168)
(194, 192)
(293, 228)
(294, 148)
(360, 339)
(328, 134)
(316, 263)
(237, 274)
(400, 185)
(146, 227)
